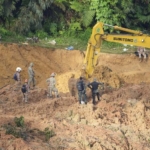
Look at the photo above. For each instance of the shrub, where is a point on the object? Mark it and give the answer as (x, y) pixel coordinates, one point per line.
(19, 121)
(48, 133)
(53, 29)
(41, 34)
(5, 32)
(16, 132)
(85, 35)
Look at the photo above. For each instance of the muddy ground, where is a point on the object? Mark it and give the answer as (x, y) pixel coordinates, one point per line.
(120, 121)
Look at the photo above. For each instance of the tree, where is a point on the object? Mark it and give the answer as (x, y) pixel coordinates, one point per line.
(127, 13)
(31, 15)
(6, 11)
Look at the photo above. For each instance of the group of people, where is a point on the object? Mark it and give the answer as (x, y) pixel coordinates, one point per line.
(94, 86)
(26, 87)
(80, 86)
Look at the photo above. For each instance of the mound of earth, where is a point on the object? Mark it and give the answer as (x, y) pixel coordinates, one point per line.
(119, 69)
(119, 121)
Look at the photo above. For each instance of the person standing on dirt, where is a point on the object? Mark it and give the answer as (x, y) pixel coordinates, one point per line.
(81, 87)
(17, 74)
(25, 90)
(17, 78)
(94, 88)
(52, 86)
(72, 85)
(141, 52)
(31, 74)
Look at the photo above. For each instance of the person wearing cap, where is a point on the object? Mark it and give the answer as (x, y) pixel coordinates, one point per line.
(31, 74)
(17, 79)
(25, 90)
(141, 52)
(52, 86)
(94, 88)
(18, 71)
(81, 87)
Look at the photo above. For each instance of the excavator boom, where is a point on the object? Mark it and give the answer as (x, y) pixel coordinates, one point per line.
(133, 37)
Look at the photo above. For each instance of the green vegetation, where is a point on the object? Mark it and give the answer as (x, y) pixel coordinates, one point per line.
(69, 22)
(56, 17)
(19, 130)
(19, 121)
(48, 133)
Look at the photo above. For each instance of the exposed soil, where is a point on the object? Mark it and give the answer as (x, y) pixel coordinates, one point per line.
(120, 121)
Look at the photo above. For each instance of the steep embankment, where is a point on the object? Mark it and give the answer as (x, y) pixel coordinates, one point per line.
(45, 62)
(112, 69)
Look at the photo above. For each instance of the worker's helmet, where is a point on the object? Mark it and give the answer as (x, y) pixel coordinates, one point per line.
(25, 80)
(31, 64)
(53, 74)
(18, 69)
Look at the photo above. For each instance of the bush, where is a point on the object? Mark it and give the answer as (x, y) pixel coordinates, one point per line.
(85, 35)
(16, 132)
(5, 32)
(19, 121)
(20, 131)
(41, 34)
(53, 29)
(48, 133)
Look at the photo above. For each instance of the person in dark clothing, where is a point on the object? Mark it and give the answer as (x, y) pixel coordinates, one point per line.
(81, 87)
(94, 87)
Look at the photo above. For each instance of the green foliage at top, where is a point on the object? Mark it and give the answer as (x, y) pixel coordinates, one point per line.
(1, 7)
(127, 13)
(108, 11)
(87, 17)
(71, 17)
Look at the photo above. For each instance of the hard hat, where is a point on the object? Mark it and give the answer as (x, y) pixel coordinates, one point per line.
(18, 69)
(31, 64)
(53, 74)
(25, 80)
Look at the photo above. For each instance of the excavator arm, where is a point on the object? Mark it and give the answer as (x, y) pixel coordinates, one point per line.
(133, 37)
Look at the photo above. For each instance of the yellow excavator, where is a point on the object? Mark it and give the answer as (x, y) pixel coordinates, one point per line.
(136, 38)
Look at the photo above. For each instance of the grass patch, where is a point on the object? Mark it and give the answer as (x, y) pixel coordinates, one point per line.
(116, 48)
(63, 43)
(76, 42)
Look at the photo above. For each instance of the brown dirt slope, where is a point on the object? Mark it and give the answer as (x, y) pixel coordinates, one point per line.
(119, 121)
(112, 69)
(45, 60)
(119, 69)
